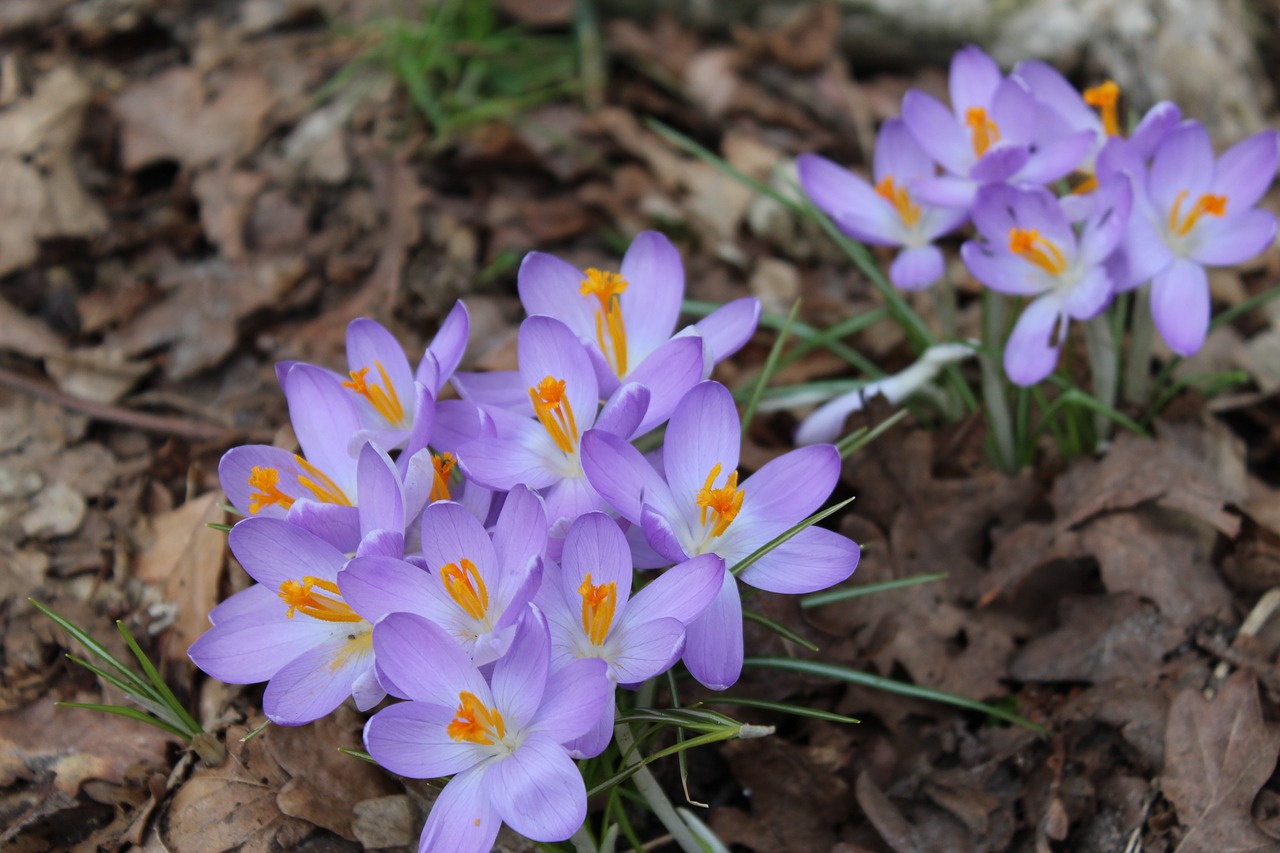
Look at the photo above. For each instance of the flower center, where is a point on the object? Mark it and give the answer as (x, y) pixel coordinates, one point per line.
(302, 597)
(555, 413)
(983, 132)
(266, 481)
(897, 195)
(443, 464)
(598, 606)
(475, 723)
(1213, 205)
(1027, 244)
(720, 506)
(382, 397)
(611, 334)
(1105, 97)
(466, 587)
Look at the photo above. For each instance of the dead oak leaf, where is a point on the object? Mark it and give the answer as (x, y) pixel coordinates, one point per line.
(1218, 754)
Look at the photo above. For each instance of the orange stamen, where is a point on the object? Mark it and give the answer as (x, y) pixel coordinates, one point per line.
(984, 132)
(555, 413)
(466, 587)
(606, 286)
(321, 485)
(266, 481)
(1207, 204)
(475, 723)
(301, 597)
(443, 465)
(898, 196)
(384, 398)
(598, 606)
(723, 503)
(1105, 97)
(1027, 243)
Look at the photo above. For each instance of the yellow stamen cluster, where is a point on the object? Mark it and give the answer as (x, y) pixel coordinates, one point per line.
(611, 333)
(555, 413)
(302, 598)
(383, 398)
(466, 587)
(897, 195)
(475, 723)
(1207, 204)
(598, 606)
(443, 464)
(266, 481)
(1106, 97)
(983, 131)
(321, 485)
(1027, 244)
(722, 504)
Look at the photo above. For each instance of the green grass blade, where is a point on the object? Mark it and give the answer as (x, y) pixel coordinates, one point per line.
(770, 367)
(131, 713)
(357, 753)
(858, 439)
(99, 651)
(787, 534)
(162, 688)
(781, 708)
(889, 685)
(152, 703)
(778, 628)
(831, 596)
(691, 743)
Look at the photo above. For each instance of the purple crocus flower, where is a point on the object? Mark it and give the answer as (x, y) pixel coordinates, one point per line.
(474, 587)
(995, 131)
(699, 508)
(886, 214)
(1029, 248)
(591, 613)
(501, 740)
(292, 629)
(1190, 212)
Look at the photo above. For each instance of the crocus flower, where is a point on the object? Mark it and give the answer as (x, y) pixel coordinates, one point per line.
(886, 214)
(994, 132)
(540, 447)
(474, 587)
(500, 740)
(700, 508)
(1190, 212)
(1029, 248)
(292, 629)
(591, 612)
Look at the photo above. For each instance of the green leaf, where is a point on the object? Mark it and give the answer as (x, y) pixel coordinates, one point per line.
(131, 713)
(770, 367)
(99, 651)
(831, 596)
(889, 685)
(788, 534)
(151, 702)
(162, 688)
(778, 628)
(781, 708)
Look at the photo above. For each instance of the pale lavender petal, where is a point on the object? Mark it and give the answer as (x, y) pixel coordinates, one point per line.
(1015, 112)
(450, 534)
(463, 818)
(367, 691)
(236, 467)
(376, 585)
(317, 681)
(424, 424)
(520, 534)
(1226, 242)
(946, 191)
(1090, 295)
(381, 543)
(575, 697)
(339, 526)
(713, 642)
(647, 649)
(520, 676)
(553, 287)
(643, 556)
(1245, 171)
(973, 80)
(1180, 306)
(381, 495)
(682, 592)
(918, 268)
(324, 418)
(411, 739)
(655, 289)
(1154, 127)
(826, 423)
(1183, 162)
(937, 221)
(538, 790)
(547, 347)
(595, 546)
(568, 499)
(1051, 88)
(501, 464)
(461, 421)
(669, 373)
(424, 662)
(1000, 270)
(503, 389)
(622, 476)
(624, 411)
(449, 345)
(814, 559)
(1056, 158)
(1141, 254)
(1033, 347)
(1000, 208)
(259, 601)
(1107, 222)
(660, 533)
(1000, 162)
(848, 199)
(236, 649)
(938, 131)
(704, 432)
(273, 551)
(727, 329)
(597, 738)
(371, 346)
(898, 155)
(790, 487)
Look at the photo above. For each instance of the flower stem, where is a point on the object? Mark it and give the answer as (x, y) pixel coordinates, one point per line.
(649, 788)
(944, 306)
(1103, 364)
(1137, 370)
(997, 405)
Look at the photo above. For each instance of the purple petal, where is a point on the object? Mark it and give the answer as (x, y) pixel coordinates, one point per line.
(848, 199)
(1000, 208)
(258, 601)
(424, 423)
(682, 592)
(339, 526)
(1090, 295)
(974, 78)
(938, 131)
(625, 410)
(463, 818)
(235, 649)
(826, 423)
(947, 191)
(1015, 112)
(520, 677)
(1056, 158)
(273, 551)
(376, 585)
(898, 155)
(520, 533)
(916, 269)
(1107, 222)
(547, 347)
(503, 389)
(814, 559)
(790, 487)
(647, 649)
(1154, 127)
(1183, 162)
(411, 739)
(669, 373)
(424, 662)
(1032, 350)
(727, 329)
(643, 556)
(324, 418)
(1226, 242)
(598, 737)
(575, 697)
(449, 345)
(502, 464)
(317, 681)
(450, 534)
(999, 270)
(713, 642)
(704, 432)
(381, 495)
(1180, 306)
(369, 345)
(459, 422)
(538, 790)
(595, 546)
(367, 691)
(553, 287)
(655, 289)
(381, 543)
(1052, 89)
(568, 499)
(1141, 254)
(1000, 162)
(1245, 171)
(236, 467)
(622, 476)
(661, 535)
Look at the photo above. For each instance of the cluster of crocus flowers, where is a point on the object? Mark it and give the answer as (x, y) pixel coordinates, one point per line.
(1068, 210)
(477, 559)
